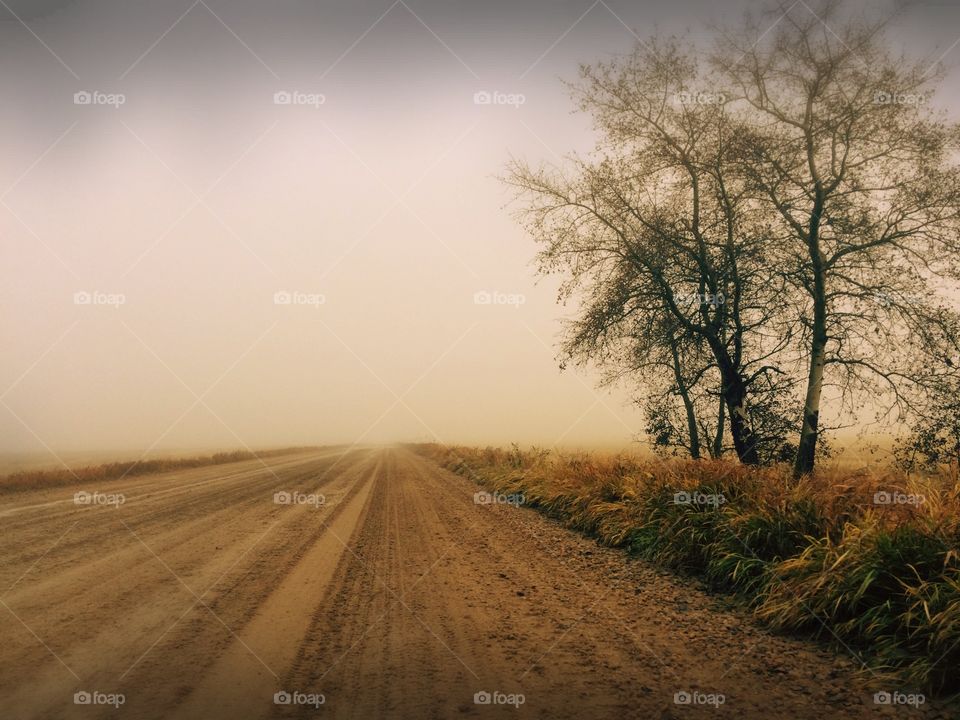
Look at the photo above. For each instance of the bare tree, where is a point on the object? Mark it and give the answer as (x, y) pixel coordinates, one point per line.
(840, 142)
(656, 233)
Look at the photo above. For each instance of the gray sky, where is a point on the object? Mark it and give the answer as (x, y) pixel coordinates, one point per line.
(199, 198)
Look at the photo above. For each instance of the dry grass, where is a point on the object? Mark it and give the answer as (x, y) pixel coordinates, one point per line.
(40, 479)
(818, 558)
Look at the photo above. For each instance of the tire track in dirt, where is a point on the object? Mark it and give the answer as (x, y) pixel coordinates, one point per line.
(101, 608)
(449, 598)
(26, 539)
(399, 598)
(111, 533)
(237, 687)
(238, 601)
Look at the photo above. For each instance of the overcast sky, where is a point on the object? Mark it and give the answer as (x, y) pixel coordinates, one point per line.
(184, 197)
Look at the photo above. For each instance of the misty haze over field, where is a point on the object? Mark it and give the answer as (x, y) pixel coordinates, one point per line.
(253, 224)
(412, 359)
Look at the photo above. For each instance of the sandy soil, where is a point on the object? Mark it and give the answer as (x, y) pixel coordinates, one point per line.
(399, 597)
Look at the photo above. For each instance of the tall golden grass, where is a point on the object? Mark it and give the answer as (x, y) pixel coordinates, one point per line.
(825, 557)
(40, 479)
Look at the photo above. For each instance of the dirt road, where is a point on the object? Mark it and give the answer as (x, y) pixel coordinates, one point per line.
(380, 590)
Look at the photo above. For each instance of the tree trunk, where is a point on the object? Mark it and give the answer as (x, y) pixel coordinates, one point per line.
(807, 447)
(691, 424)
(721, 420)
(734, 392)
(744, 439)
(687, 403)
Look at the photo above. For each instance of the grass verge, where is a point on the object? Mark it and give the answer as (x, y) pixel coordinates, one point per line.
(868, 562)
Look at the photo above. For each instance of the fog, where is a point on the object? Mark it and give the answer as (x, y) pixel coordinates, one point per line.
(192, 262)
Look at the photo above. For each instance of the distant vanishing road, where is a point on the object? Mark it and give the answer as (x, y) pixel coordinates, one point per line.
(382, 589)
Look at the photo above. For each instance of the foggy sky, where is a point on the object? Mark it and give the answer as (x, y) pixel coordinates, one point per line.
(199, 199)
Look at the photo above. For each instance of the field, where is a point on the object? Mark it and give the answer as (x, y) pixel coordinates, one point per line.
(26, 479)
(379, 585)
